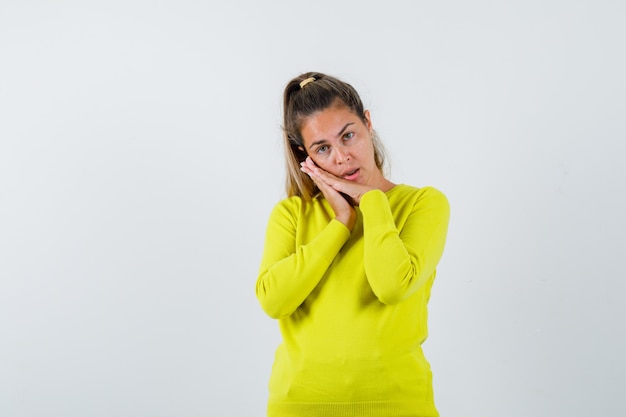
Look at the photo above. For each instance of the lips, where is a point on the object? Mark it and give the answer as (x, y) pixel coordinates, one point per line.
(351, 175)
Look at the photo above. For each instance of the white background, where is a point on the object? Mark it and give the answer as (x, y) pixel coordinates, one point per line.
(140, 155)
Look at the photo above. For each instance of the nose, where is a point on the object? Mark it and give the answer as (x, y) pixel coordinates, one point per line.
(341, 155)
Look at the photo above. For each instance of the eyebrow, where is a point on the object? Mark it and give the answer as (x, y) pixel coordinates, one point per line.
(319, 142)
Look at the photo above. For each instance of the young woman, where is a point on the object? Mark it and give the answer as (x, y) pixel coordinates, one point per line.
(348, 265)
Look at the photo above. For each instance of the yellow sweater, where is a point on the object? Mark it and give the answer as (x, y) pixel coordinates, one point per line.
(352, 305)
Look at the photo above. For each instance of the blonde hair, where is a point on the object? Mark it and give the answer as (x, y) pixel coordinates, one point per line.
(305, 95)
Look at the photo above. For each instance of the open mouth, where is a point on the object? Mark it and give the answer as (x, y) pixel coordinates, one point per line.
(351, 174)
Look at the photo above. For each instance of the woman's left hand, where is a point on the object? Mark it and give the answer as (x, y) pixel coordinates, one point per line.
(350, 188)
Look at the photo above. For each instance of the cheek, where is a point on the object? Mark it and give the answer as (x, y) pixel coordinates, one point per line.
(319, 161)
(323, 163)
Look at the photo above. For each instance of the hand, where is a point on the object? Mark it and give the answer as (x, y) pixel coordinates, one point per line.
(344, 212)
(352, 189)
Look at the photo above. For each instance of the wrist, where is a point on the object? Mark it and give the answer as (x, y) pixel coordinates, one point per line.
(347, 219)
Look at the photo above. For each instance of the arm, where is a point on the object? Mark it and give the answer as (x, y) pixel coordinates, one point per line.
(289, 273)
(399, 262)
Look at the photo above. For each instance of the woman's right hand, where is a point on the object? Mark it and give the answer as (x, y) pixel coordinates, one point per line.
(344, 212)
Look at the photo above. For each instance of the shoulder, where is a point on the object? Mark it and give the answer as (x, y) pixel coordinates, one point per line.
(418, 197)
(286, 208)
(404, 191)
(289, 203)
(295, 206)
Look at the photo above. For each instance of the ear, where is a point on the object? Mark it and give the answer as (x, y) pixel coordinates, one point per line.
(368, 120)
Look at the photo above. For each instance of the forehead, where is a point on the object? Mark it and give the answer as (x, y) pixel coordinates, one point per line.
(326, 124)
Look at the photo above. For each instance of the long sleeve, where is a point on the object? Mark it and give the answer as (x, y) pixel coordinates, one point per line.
(400, 259)
(289, 270)
(349, 346)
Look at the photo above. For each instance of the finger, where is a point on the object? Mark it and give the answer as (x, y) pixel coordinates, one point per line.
(309, 164)
(321, 176)
(304, 168)
(314, 172)
(317, 172)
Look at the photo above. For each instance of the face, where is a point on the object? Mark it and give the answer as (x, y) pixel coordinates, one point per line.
(340, 142)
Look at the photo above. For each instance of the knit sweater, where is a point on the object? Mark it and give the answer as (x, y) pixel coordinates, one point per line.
(352, 305)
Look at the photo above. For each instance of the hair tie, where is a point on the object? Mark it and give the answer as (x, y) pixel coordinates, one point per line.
(305, 82)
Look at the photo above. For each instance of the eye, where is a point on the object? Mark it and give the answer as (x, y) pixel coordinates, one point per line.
(322, 149)
(348, 136)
